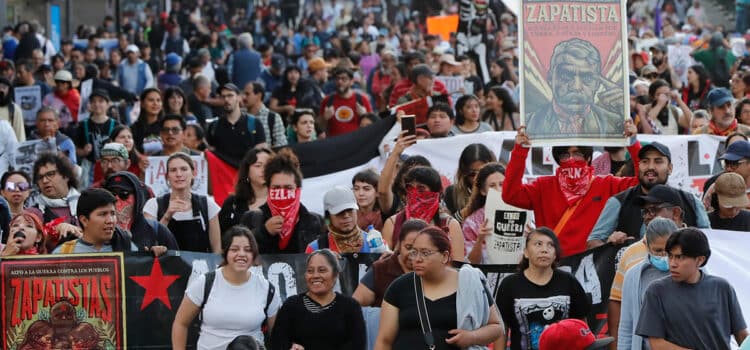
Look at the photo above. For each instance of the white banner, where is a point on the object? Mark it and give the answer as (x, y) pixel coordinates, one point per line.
(729, 260)
(30, 100)
(156, 175)
(694, 159)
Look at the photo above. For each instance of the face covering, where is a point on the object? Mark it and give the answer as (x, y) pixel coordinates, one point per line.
(661, 263)
(421, 205)
(574, 177)
(286, 203)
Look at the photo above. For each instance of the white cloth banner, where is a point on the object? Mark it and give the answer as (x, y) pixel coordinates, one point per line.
(729, 260)
(156, 175)
(694, 159)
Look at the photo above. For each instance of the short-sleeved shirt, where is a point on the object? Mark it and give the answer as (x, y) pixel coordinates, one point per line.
(703, 315)
(231, 310)
(152, 206)
(527, 308)
(441, 312)
(345, 116)
(741, 222)
(634, 254)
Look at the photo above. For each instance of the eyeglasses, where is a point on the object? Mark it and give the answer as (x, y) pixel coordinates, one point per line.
(652, 211)
(573, 155)
(17, 186)
(48, 175)
(734, 163)
(423, 253)
(108, 161)
(173, 131)
(123, 194)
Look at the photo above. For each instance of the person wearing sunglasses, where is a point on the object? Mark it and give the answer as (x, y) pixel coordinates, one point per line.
(16, 188)
(131, 195)
(172, 135)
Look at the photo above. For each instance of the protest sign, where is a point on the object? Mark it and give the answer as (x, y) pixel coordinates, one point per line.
(574, 78)
(30, 100)
(28, 152)
(505, 245)
(442, 25)
(55, 302)
(680, 59)
(156, 175)
(83, 108)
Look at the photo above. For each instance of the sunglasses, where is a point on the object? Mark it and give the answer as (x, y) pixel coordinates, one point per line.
(122, 194)
(17, 186)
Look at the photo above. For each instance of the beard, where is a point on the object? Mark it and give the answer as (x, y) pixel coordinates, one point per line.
(657, 61)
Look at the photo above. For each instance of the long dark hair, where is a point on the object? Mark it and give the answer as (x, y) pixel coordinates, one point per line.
(238, 231)
(475, 152)
(505, 75)
(398, 183)
(508, 108)
(142, 116)
(704, 80)
(171, 91)
(524, 264)
(477, 199)
(133, 154)
(243, 192)
(460, 103)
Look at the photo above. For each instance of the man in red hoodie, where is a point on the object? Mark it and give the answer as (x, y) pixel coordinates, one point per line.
(570, 201)
(64, 99)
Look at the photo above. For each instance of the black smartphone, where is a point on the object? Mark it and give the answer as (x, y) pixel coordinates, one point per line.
(409, 124)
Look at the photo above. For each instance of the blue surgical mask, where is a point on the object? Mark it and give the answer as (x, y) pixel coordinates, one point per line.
(661, 263)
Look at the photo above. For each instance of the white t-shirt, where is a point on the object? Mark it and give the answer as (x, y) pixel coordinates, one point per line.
(232, 311)
(151, 208)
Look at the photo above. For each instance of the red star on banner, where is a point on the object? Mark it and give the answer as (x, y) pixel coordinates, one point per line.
(156, 285)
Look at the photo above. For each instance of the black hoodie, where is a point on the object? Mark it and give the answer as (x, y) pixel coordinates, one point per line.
(145, 232)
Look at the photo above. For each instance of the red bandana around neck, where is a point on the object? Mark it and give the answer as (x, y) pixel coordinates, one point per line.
(286, 203)
(714, 129)
(574, 177)
(421, 205)
(30, 251)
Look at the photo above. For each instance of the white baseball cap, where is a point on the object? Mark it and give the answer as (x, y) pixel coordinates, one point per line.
(338, 199)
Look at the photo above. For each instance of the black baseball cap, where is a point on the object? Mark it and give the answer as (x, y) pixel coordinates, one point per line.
(229, 86)
(659, 147)
(100, 93)
(661, 194)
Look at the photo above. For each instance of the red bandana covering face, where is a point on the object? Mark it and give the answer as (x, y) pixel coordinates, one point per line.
(715, 129)
(286, 203)
(574, 177)
(421, 205)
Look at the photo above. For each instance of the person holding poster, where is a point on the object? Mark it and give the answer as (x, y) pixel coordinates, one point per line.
(475, 226)
(573, 192)
(540, 294)
(192, 217)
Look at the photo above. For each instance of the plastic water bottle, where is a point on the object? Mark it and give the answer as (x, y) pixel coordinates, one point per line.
(375, 240)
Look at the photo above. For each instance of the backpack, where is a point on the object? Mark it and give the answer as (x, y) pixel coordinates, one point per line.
(209, 283)
(86, 132)
(250, 127)
(198, 202)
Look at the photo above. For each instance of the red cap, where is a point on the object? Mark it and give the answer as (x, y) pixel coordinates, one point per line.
(571, 334)
(164, 15)
(643, 55)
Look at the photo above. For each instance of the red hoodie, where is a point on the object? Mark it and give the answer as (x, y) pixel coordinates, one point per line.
(72, 100)
(545, 198)
(403, 86)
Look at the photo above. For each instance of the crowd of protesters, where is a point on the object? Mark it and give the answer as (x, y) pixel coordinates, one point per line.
(245, 82)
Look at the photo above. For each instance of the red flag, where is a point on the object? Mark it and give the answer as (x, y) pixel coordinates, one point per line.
(221, 176)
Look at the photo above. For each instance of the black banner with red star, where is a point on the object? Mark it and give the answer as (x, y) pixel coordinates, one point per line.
(56, 300)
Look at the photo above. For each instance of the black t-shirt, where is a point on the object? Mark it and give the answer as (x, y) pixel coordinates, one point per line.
(741, 222)
(90, 132)
(441, 312)
(336, 326)
(527, 308)
(202, 111)
(147, 136)
(233, 140)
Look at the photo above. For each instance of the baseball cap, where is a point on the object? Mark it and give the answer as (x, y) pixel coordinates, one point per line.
(571, 334)
(338, 199)
(737, 151)
(449, 59)
(731, 190)
(642, 55)
(648, 69)
(228, 86)
(131, 47)
(419, 70)
(660, 194)
(317, 63)
(172, 59)
(118, 181)
(278, 61)
(63, 75)
(718, 97)
(657, 146)
(7, 64)
(115, 149)
(659, 47)
(100, 93)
